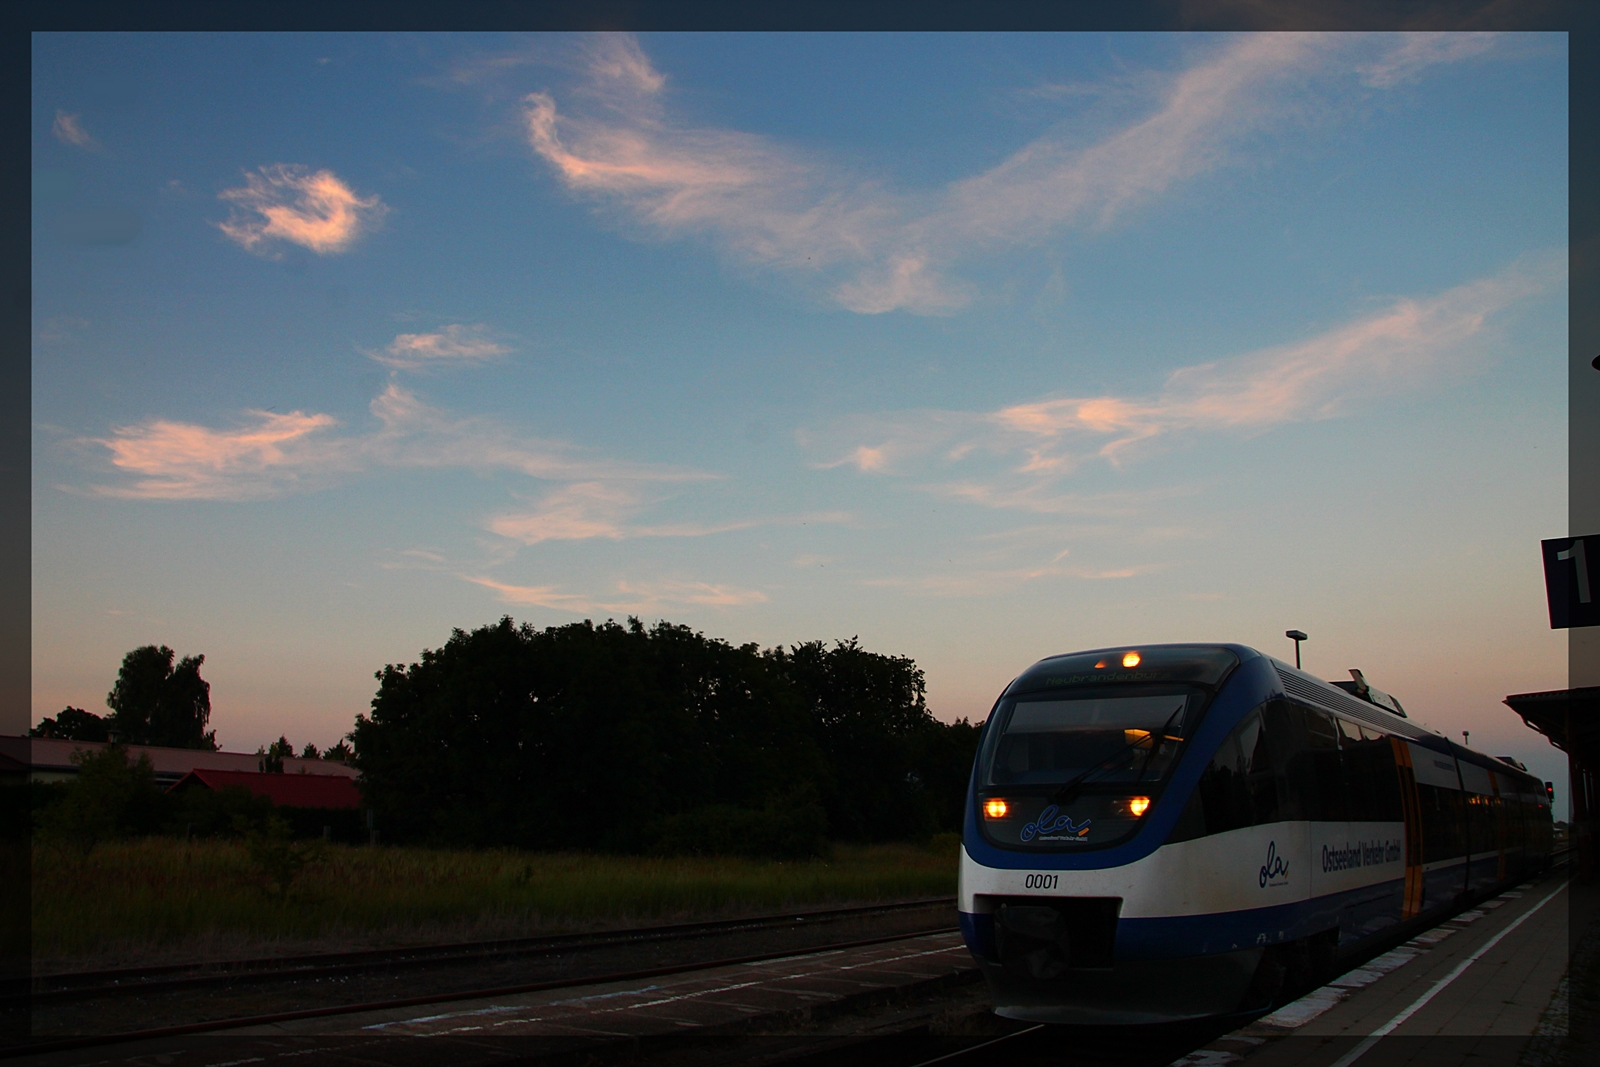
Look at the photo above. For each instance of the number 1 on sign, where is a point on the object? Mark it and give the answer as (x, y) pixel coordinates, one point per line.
(1575, 554)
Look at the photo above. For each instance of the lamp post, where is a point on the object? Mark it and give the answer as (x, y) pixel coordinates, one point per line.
(1296, 636)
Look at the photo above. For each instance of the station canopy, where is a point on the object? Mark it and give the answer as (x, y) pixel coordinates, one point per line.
(1570, 718)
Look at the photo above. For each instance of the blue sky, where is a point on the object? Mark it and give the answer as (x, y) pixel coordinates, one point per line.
(980, 347)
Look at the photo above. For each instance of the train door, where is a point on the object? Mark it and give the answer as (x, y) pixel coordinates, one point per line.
(1497, 803)
(1445, 838)
(1412, 901)
(1485, 856)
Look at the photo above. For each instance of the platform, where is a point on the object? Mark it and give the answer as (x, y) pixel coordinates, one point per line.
(1489, 988)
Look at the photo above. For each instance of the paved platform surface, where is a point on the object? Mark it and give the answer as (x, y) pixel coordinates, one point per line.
(1487, 988)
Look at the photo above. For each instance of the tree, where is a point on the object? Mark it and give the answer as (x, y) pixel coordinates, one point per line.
(72, 724)
(310, 752)
(578, 736)
(625, 737)
(340, 753)
(273, 755)
(155, 702)
(872, 723)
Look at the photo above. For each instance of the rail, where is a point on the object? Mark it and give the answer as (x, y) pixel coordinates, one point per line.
(240, 1022)
(89, 985)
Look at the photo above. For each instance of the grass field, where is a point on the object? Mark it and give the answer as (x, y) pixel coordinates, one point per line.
(157, 899)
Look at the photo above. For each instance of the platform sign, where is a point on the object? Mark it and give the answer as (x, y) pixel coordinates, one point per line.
(1571, 570)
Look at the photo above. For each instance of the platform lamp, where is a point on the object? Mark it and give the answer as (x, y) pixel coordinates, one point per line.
(1296, 636)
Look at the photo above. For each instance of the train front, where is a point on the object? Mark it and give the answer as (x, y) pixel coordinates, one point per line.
(1064, 821)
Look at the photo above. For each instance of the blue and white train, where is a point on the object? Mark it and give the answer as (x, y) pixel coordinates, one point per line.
(1177, 831)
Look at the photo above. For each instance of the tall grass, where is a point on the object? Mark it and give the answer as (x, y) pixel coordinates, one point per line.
(163, 898)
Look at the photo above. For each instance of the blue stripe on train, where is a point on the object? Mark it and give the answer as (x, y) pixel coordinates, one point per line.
(1356, 913)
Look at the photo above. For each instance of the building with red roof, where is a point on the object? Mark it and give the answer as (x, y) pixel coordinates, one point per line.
(50, 760)
(284, 790)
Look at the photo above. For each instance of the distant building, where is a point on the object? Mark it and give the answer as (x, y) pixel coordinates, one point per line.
(287, 790)
(50, 760)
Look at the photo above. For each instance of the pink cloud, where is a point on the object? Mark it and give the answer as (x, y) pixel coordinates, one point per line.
(68, 130)
(606, 510)
(313, 209)
(629, 598)
(1418, 51)
(275, 454)
(181, 461)
(871, 248)
(1406, 346)
(575, 512)
(452, 345)
(990, 582)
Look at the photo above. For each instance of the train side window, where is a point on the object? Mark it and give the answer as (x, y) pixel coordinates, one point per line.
(1260, 769)
(1349, 732)
(1291, 753)
(1239, 787)
(1441, 814)
(1224, 794)
(1327, 770)
(1374, 783)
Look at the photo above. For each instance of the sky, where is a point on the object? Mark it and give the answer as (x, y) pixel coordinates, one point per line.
(979, 347)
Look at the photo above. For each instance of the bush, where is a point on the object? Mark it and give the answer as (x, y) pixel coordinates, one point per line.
(110, 798)
(226, 812)
(275, 855)
(788, 829)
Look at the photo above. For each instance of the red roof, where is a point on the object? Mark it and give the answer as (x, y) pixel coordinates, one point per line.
(48, 753)
(288, 790)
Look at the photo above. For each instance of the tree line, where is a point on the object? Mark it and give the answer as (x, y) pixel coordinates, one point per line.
(634, 738)
(615, 737)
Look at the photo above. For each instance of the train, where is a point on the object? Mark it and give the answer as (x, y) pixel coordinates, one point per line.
(1173, 832)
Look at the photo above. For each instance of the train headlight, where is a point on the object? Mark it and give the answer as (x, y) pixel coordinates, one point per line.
(995, 808)
(1130, 659)
(1137, 805)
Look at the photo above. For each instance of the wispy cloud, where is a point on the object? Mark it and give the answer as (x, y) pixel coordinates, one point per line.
(68, 130)
(629, 598)
(293, 204)
(980, 582)
(267, 456)
(585, 510)
(416, 434)
(873, 248)
(607, 510)
(453, 345)
(1419, 51)
(271, 454)
(1406, 345)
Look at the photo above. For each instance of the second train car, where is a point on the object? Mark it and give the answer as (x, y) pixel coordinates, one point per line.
(1166, 832)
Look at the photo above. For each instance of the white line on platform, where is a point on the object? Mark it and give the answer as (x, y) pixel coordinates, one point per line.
(1416, 1005)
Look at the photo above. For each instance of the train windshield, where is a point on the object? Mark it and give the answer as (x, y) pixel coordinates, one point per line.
(1048, 739)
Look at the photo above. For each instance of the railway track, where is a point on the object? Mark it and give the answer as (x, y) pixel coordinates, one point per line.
(907, 1040)
(93, 985)
(308, 970)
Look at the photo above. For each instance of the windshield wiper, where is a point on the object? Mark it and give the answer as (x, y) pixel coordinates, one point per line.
(1069, 790)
